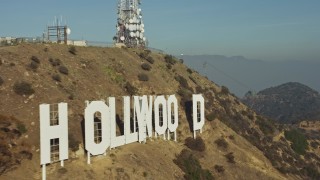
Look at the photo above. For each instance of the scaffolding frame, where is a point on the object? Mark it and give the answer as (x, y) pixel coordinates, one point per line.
(54, 150)
(198, 111)
(161, 114)
(58, 33)
(97, 128)
(54, 115)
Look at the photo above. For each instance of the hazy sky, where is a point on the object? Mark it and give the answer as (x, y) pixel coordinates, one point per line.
(256, 29)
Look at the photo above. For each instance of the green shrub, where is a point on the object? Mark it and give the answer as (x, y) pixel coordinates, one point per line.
(311, 171)
(170, 59)
(71, 97)
(145, 174)
(147, 51)
(169, 66)
(190, 165)
(185, 94)
(143, 77)
(33, 65)
(114, 75)
(35, 59)
(130, 89)
(266, 126)
(219, 169)
(251, 116)
(195, 144)
(244, 113)
(221, 142)
(211, 116)
(150, 59)
(144, 54)
(313, 144)
(56, 77)
(73, 50)
(231, 137)
(224, 90)
(183, 82)
(189, 71)
(63, 70)
(22, 128)
(199, 90)
(26, 154)
(230, 157)
(23, 88)
(55, 62)
(146, 66)
(299, 141)
(62, 170)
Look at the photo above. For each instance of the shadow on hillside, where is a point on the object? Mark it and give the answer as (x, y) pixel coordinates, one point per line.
(137, 126)
(120, 124)
(188, 112)
(83, 133)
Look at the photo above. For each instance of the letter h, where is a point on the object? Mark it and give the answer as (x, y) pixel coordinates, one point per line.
(53, 133)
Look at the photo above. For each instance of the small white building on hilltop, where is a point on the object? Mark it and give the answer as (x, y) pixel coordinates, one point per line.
(7, 40)
(77, 42)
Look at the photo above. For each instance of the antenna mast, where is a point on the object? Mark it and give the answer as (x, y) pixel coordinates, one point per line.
(130, 27)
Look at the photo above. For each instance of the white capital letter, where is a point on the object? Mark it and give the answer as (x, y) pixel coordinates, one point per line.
(198, 112)
(144, 116)
(48, 132)
(160, 100)
(173, 116)
(91, 109)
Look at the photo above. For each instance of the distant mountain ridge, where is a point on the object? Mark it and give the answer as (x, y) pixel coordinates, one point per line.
(287, 103)
(255, 74)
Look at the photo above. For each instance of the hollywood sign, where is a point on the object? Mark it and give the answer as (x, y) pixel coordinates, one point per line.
(166, 120)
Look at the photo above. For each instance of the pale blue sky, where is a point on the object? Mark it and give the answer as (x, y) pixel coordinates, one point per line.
(256, 29)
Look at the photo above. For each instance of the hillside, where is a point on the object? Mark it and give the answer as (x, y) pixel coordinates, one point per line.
(235, 143)
(287, 103)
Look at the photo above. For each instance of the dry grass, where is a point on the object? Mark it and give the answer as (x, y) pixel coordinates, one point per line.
(89, 79)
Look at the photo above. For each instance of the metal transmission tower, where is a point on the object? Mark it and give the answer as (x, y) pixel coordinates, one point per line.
(57, 33)
(130, 27)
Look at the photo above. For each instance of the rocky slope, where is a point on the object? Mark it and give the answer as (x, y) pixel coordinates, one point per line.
(235, 143)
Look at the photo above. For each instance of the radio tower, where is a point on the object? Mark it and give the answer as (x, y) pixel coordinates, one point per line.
(130, 27)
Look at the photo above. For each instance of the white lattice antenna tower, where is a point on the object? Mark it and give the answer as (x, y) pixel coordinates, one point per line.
(130, 27)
